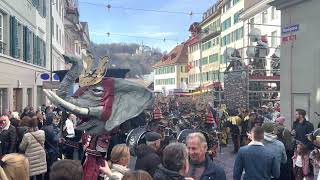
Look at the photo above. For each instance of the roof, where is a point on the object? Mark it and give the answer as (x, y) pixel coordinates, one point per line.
(177, 55)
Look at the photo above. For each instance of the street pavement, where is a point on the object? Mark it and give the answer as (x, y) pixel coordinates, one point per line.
(226, 159)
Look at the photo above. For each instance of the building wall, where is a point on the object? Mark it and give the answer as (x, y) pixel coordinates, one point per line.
(193, 59)
(58, 37)
(19, 71)
(270, 28)
(173, 75)
(225, 14)
(300, 75)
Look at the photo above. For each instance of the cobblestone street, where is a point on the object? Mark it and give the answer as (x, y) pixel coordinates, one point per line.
(226, 159)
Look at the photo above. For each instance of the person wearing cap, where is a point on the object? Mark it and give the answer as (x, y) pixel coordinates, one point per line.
(273, 145)
(147, 157)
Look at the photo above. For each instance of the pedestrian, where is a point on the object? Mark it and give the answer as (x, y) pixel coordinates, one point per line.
(14, 166)
(137, 175)
(201, 166)
(8, 136)
(302, 127)
(32, 145)
(175, 163)
(52, 136)
(119, 160)
(147, 157)
(66, 170)
(273, 145)
(255, 160)
(69, 135)
(301, 162)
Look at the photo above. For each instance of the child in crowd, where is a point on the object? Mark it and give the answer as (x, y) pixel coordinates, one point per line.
(301, 162)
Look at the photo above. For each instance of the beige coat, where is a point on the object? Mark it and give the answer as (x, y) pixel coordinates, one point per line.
(35, 152)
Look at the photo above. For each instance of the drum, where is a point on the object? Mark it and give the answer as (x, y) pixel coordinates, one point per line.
(135, 137)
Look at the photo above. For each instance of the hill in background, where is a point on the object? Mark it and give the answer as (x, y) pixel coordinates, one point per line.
(138, 58)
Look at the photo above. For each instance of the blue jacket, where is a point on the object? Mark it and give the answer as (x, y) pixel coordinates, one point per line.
(257, 162)
(275, 147)
(212, 171)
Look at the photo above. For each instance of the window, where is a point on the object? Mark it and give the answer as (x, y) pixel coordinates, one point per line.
(204, 61)
(264, 17)
(226, 24)
(274, 42)
(273, 13)
(236, 16)
(235, 1)
(213, 58)
(227, 6)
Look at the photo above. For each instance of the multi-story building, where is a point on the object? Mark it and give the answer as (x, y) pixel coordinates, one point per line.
(77, 39)
(204, 49)
(258, 14)
(23, 56)
(170, 73)
(57, 23)
(231, 27)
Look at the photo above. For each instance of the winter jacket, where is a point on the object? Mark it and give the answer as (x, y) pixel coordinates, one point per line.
(212, 171)
(284, 135)
(118, 172)
(275, 147)
(34, 151)
(52, 138)
(302, 129)
(8, 139)
(165, 174)
(147, 159)
(257, 162)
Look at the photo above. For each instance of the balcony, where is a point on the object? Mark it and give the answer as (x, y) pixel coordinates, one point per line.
(208, 34)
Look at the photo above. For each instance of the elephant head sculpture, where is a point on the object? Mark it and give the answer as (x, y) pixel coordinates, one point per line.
(102, 103)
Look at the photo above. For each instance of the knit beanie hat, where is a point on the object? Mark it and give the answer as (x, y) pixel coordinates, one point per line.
(268, 127)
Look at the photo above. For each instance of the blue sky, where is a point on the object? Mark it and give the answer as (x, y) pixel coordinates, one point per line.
(141, 23)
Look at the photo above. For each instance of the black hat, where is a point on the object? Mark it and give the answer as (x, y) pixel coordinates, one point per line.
(152, 136)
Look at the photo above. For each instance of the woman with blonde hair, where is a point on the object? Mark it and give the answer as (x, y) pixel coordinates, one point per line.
(119, 160)
(14, 166)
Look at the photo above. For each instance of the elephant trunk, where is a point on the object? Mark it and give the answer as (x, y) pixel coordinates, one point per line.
(71, 76)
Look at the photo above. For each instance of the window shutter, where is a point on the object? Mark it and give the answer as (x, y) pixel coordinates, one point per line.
(44, 8)
(11, 36)
(28, 45)
(34, 49)
(15, 37)
(44, 54)
(38, 51)
(25, 43)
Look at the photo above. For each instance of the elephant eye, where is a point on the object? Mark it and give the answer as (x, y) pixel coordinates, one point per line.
(97, 91)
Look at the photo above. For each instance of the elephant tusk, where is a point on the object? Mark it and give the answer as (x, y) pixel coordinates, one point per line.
(69, 106)
(49, 96)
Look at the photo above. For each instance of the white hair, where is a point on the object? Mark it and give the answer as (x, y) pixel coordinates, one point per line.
(199, 136)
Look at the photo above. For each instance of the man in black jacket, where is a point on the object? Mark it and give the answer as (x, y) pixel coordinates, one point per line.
(201, 166)
(8, 136)
(302, 127)
(147, 157)
(175, 163)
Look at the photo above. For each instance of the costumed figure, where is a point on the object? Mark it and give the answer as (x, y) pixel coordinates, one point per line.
(103, 104)
(233, 56)
(275, 65)
(259, 52)
(223, 117)
(234, 122)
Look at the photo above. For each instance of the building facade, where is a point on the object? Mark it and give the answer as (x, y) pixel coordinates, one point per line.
(57, 34)
(170, 73)
(300, 54)
(259, 14)
(23, 53)
(232, 28)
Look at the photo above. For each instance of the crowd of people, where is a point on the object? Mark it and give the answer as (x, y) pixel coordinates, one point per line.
(45, 144)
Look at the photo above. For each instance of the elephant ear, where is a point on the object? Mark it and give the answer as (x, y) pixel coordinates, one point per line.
(130, 99)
